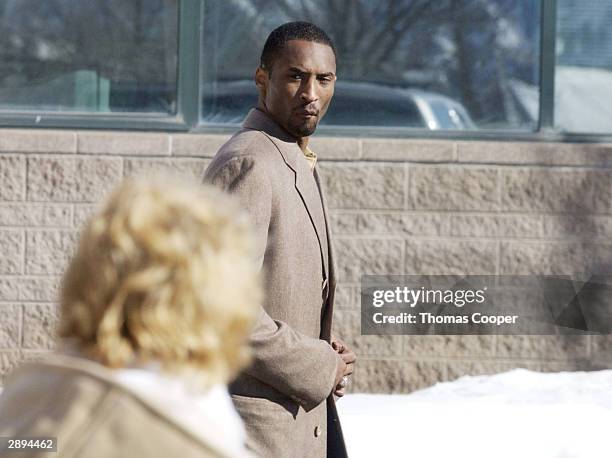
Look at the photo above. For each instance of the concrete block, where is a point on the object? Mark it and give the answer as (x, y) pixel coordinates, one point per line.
(39, 326)
(450, 257)
(39, 289)
(571, 366)
(363, 186)
(22, 214)
(347, 327)
(12, 177)
(557, 190)
(356, 257)
(598, 258)
(124, 143)
(542, 258)
(67, 179)
(454, 188)
(37, 141)
(10, 322)
(496, 225)
(48, 251)
(556, 347)
(11, 247)
(584, 227)
(347, 296)
(19, 288)
(408, 150)
(82, 213)
(8, 288)
(450, 346)
(379, 223)
(395, 376)
(602, 348)
(531, 153)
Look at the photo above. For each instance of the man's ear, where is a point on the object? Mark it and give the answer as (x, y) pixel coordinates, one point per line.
(261, 80)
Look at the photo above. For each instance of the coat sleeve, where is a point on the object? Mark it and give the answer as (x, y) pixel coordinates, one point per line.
(301, 367)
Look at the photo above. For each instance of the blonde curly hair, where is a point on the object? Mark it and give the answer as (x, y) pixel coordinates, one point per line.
(165, 272)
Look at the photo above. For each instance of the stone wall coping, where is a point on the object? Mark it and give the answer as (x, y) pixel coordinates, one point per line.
(137, 143)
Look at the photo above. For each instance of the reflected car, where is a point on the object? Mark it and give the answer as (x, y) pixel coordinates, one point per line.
(354, 104)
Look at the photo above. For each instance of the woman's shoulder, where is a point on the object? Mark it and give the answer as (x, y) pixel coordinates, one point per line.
(71, 397)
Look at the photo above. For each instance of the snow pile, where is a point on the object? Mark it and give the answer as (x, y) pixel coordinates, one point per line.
(515, 414)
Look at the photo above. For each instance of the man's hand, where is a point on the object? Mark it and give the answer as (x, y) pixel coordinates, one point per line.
(344, 370)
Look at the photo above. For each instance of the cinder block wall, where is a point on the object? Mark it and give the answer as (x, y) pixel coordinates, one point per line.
(397, 206)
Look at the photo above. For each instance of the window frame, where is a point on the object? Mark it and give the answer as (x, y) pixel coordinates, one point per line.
(187, 117)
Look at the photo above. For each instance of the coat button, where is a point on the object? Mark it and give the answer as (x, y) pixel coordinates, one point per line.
(318, 431)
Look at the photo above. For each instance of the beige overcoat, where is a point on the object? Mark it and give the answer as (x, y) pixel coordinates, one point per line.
(284, 396)
(92, 415)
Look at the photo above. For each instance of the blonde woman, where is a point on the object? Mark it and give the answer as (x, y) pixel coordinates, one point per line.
(156, 307)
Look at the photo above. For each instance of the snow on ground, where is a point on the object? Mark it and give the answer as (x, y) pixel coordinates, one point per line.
(515, 414)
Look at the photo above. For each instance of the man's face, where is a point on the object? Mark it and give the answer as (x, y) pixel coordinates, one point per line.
(297, 90)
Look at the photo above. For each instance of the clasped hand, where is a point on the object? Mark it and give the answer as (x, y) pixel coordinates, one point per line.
(345, 368)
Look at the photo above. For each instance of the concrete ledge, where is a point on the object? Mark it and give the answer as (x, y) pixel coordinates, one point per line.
(408, 150)
(331, 148)
(191, 169)
(37, 141)
(196, 144)
(49, 141)
(531, 153)
(124, 143)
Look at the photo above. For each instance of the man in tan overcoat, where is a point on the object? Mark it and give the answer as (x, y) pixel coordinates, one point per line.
(286, 397)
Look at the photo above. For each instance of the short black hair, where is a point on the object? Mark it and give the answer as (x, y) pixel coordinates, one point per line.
(297, 30)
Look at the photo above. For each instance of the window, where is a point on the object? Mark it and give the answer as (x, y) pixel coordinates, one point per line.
(583, 76)
(517, 69)
(445, 65)
(98, 56)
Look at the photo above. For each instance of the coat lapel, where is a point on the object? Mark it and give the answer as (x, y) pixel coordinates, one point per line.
(327, 310)
(309, 193)
(330, 252)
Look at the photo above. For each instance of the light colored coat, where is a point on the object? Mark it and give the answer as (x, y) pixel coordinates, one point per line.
(93, 416)
(284, 396)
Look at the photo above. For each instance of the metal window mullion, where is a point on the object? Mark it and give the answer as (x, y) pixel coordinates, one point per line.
(548, 39)
(190, 29)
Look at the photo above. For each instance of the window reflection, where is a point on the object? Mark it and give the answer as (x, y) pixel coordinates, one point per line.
(583, 77)
(94, 56)
(435, 65)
